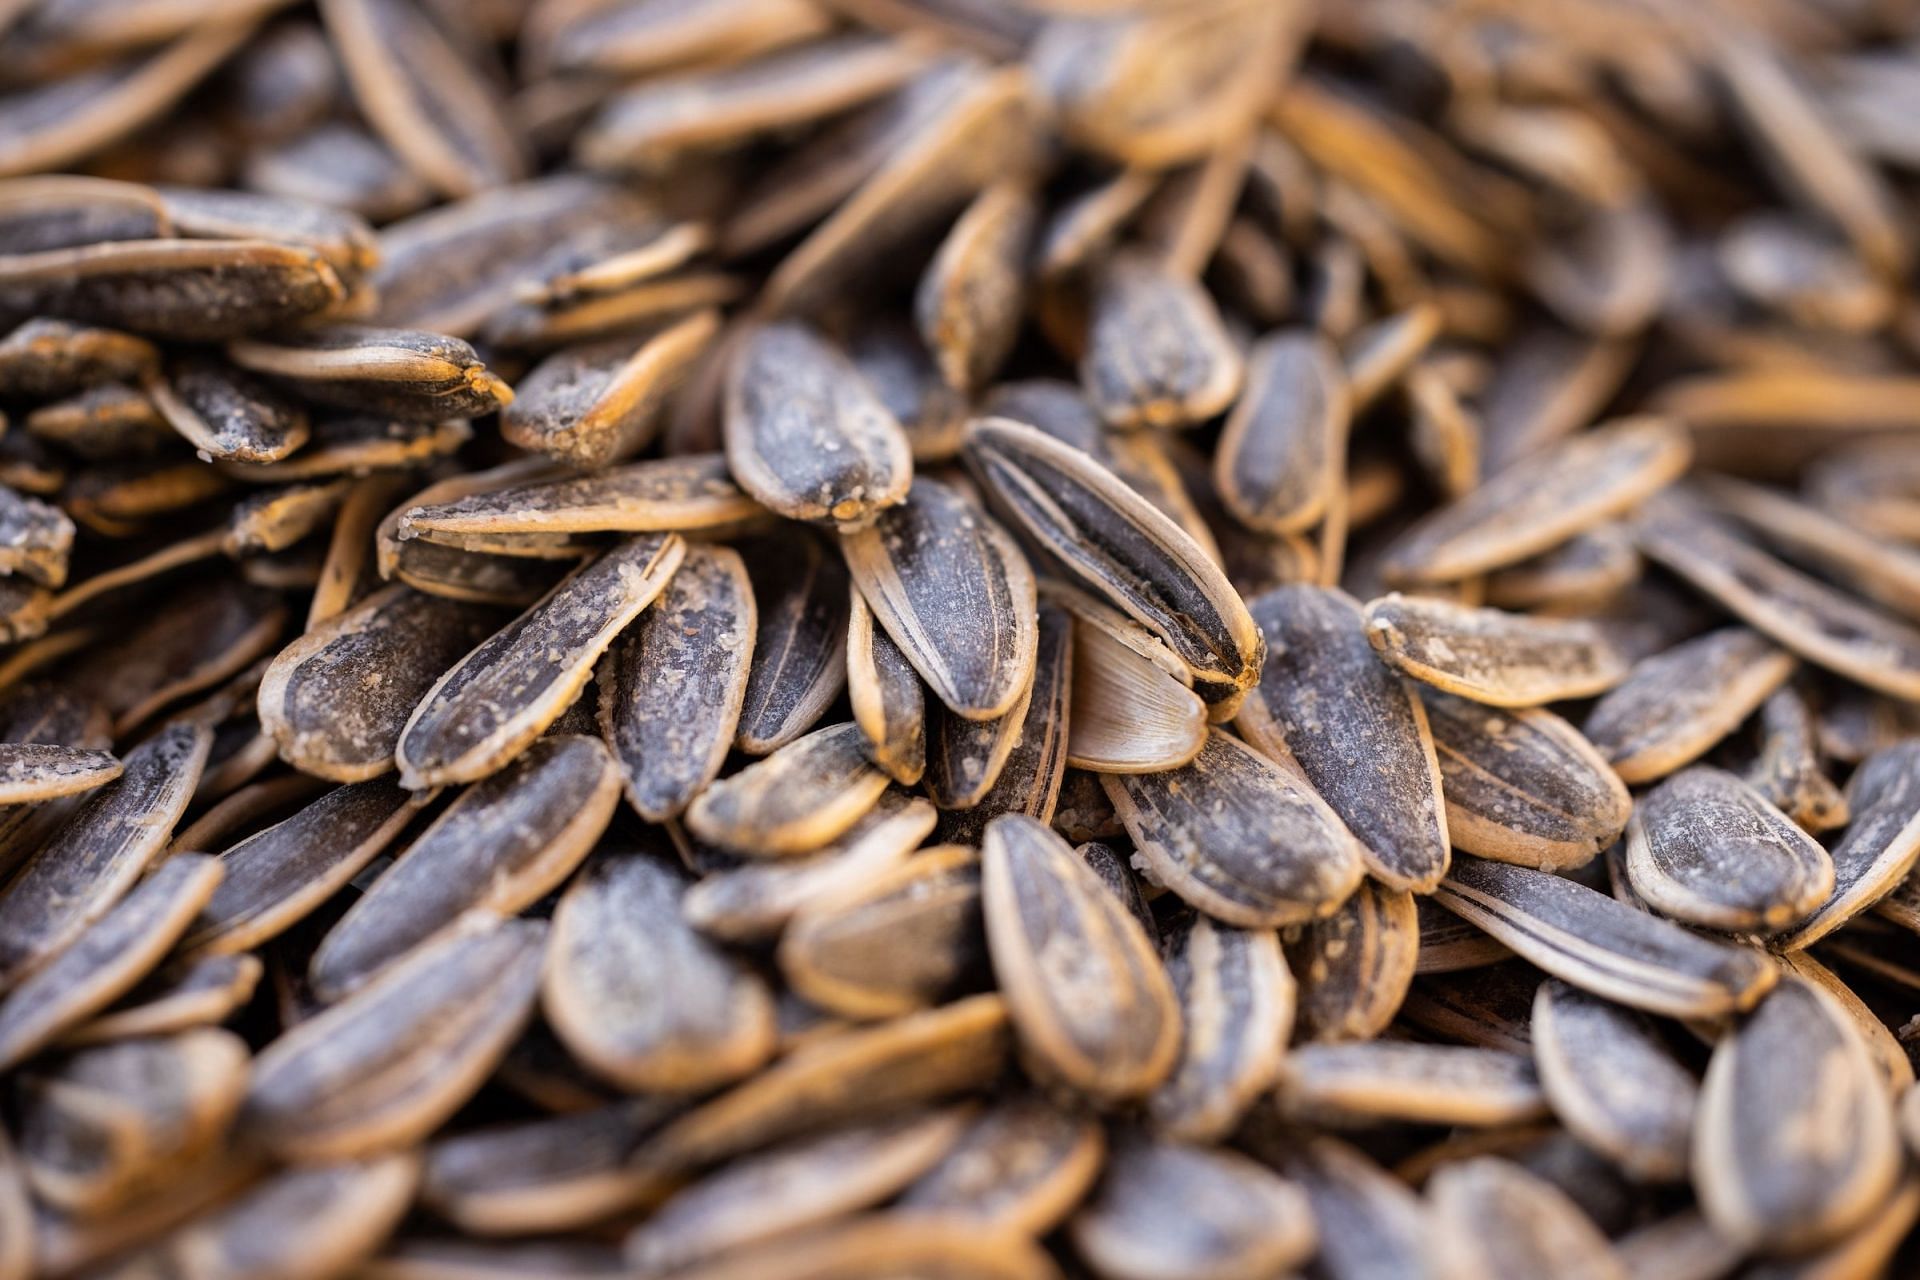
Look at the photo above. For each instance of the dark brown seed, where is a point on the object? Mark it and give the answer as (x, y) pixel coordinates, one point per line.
(1165, 1210)
(846, 1077)
(1021, 1166)
(106, 958)
(885, 1243)
(965, 757)
(969, 302)
(33, 772)
(59, 211)
(1880, 847)
(405, 374)
(1089, 1000)
(889, 702)
(1707, 849)
(196, 290)
(1813, 620)
(1495, 1219)
(44, 360)
(225, 413)
(501, 696)
(1523, 786)
(903, 941)
(388, 1065)
(1093, 525)
(955, 594)
(1877, 568)
(789, 1188)
(1503, 659)
(354, 444)
(1157, 352)
(76, 877)
(1354, 727)
(1279, 455)
(276, 877)
(1370, 1225)
(1674, 706)
(1789, 770)
(1419, 1083)
(1029, 778)
(1781, 1166)
(35, 539)
(799, 663)
(185, 994)
(1354, 966)
(336, 699)
(807, 436)
(687, 493)
(505, 843)
(1605, 947)
(1238, 836)
(797, 800)
(1236, 1010)
(1534, 507)
(1584, 572)
(596, 404)
(1613, 1082)
(1380, 354)
(672, 685)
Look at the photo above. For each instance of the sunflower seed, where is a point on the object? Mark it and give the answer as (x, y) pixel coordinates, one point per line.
(968, 305)
(1196, 833)
(398, 373)
(1157, 352)
(889, 703)
(1106, 1021)
(106, 958)
(1370, 1226)
(1127, 714)
(1166, 1209)
(45, 360)
(1502, 659)
(1788, 770)
(1586, 571)
(76, 877)
(1604, 947)
(501, 696)
(796, 801)
(506, 842)
(1029, 778)
(1498, 1220)
(1705, 848)
(888, 1244)
(1673, 707)
(1095, 526)
(599, 403)
(32, 772)
(391, 1062)
(186, 994)
(1612, 1081)
(1761, 1180)
(1355, 965)
(278, 876)
(1236, 1000)
(1879, 848)
(1021, 1166)
(1276, 462)
(1355, 728)
(1422, 1083)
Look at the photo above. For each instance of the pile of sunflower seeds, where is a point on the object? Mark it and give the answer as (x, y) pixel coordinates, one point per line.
(985, 639)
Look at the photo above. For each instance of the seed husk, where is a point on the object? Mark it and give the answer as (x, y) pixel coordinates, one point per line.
(969, 301)
(1587, 570)
(1613, 1082)
(1674, 706)
(965, 757)
(1089, 999)
(224, 413)
(1030, 776)
(179, 996)
(503, 844)
(955, 594)
(390, 1063)
(77, 876)
(1370, 1225)
(1705, 848)
(1278, 456)
(277, 876)
(1355, 965)
(1022, 1165)
(1196, 832)
(1354, 727)
(31, 772)
(1423, 1083)
(1880, 846)
(1876, 568)
(1604, 947)
(1789, 770)
(1498, 1220)
(1502, 659)
(799, 663)
(1167, 1209)
(404, 374)
(45, 360)
(887, 1243)
(502, 695)
(889, 702)
(687, 493)
(1094, 526)
(1760, 1182)
(1236, 1012)
(1127, 713)
(901, 942)
(790, 1188)
(106, 958)
(797, 800)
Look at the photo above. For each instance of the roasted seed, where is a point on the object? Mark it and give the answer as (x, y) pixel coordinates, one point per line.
(1502, 659)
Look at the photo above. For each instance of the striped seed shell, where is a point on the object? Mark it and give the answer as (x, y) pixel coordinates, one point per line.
(799, 662)
(1705, 848)
(502, 695)
(1497, 1220)
(1613, 1082)
(1355, 965)
(107, 959)
(1280, 453)
(889, 703)
(228, 413)
(1877, 568)
(969, 302)
(638, 995)
(1092, 524)
(1371, 1225)
(1128, 713)
(1022, 1165)
(1354, 727)
(386, 1066)
(78, 875)
(1780, 1162)
(1523, 786)
(406, 374)
(1789, 770)
(598, 403)
(672, 684)
(1244, 839)
(1030, 777)
(1604, 947)
(1674, 706)
(1503, 659)
(1236, 1013)
(1880, 847)
(1411, 1082)
(1158, 353)
(190, 993)
(35, 539)
(797, 800)
(503, 844)
(965, 757)
(1168, 1210)
(31, 772)
(45, 359)
(807, 436)
(684, 494)
(956, 595)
